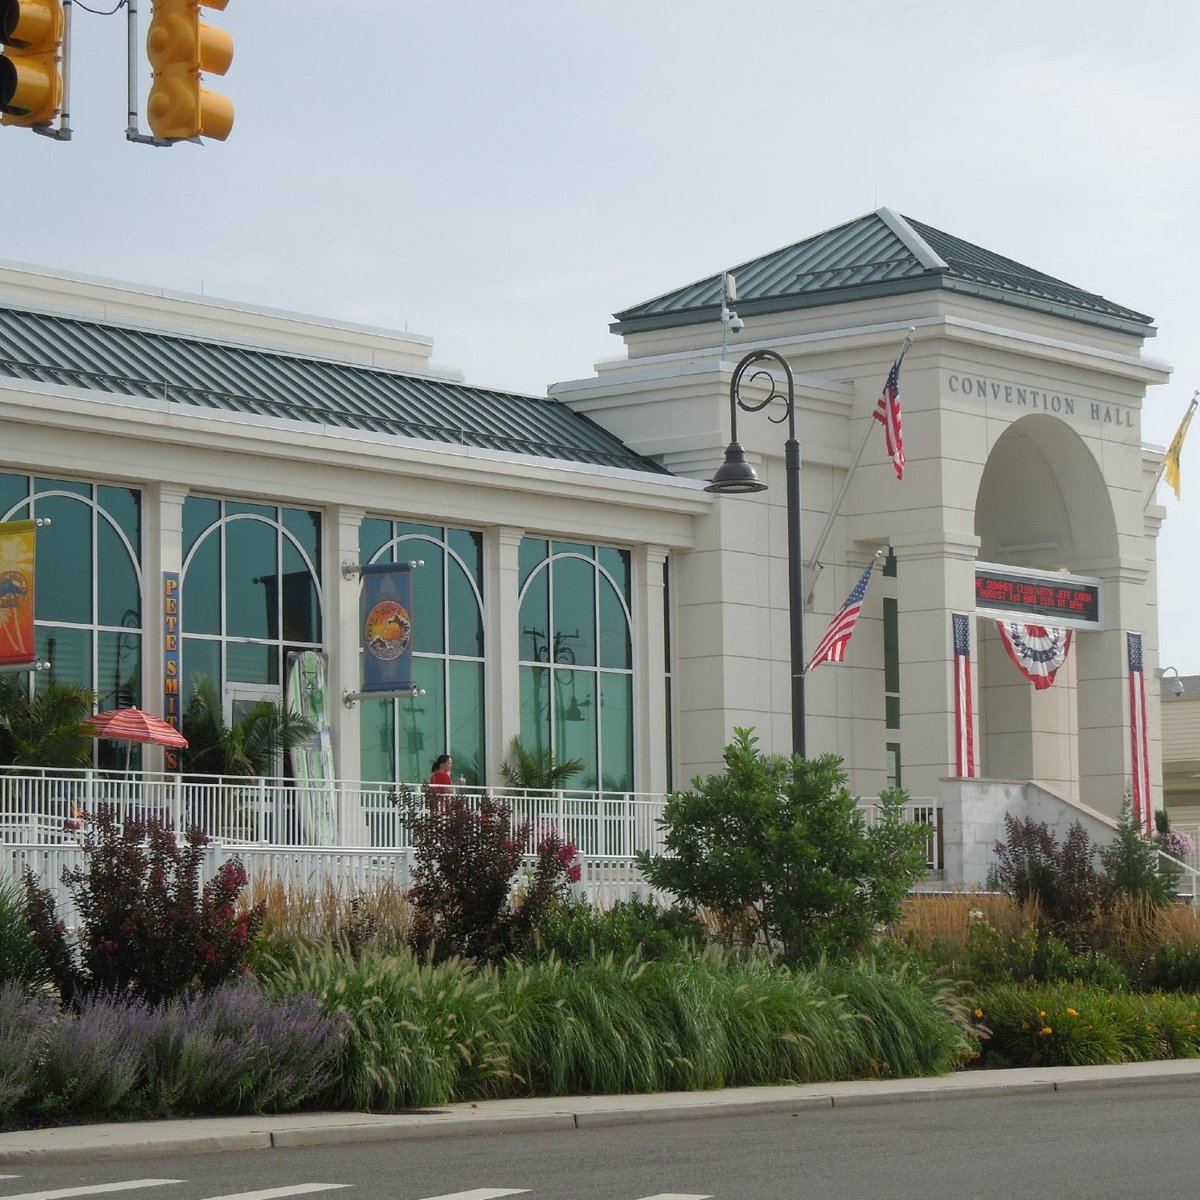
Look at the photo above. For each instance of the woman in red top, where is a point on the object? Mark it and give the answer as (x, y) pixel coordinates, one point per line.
(440, 782)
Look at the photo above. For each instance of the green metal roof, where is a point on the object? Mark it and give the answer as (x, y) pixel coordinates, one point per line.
(210, 375)
(877, 255)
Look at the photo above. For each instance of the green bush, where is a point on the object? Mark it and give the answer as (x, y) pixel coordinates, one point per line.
(578, 931)
(1076, 1025)
(20, 959)
(996, 957)
(1173, 969)
(779, 850)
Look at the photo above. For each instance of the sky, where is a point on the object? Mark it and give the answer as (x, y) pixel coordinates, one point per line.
(505, 177)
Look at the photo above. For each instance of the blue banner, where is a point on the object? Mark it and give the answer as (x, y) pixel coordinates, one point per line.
(387, 627)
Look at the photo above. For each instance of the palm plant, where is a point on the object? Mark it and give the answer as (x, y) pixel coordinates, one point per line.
(249, 746)
(537, 769)
(47, 730)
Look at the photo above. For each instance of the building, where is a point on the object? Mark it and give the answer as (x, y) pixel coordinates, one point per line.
(581, 589)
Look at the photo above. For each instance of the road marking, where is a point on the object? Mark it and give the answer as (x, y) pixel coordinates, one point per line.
(676, 1196)
(480, 1194)
(94, 1190)
(298, 1189)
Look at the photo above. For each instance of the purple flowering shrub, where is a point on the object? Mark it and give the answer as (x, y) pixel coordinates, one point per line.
(147, 928)
(24, 1020)
(464, 894)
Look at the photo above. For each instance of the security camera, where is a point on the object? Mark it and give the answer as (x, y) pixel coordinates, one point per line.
(736, 324)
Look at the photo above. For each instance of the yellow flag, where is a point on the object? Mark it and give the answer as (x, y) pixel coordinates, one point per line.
(1176, 446)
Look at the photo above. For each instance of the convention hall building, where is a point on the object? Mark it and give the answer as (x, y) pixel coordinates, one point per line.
(216, 475)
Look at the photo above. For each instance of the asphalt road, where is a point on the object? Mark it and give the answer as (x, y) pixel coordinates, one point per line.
(1118, 1143)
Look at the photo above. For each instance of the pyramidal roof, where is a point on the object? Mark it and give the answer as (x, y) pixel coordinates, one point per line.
(879, 254)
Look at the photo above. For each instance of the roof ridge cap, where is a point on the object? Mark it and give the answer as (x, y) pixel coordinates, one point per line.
(919, 247)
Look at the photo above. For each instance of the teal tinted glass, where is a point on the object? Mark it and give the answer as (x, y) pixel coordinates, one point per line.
(465, 620)
(573, 548)
(246, 662)
(72, 486)
(891, 712)
(535, 619)
(124, 506)
(201, 659)
(414, 529)
(615, 646)
(670, 740)
(428, 616)
(199, 515)
(119, 669)
(535, 710)
(69, 653)
(117, 594)
(616, 563)
(64, 561)
(531, 554)
(200, 608)
(891, 644)
(616, 732)
(301, 599)
(251, 583)
(14, 490)
(468, 545)
(423, 722)
(305, 528)
(268, 512)
(373, 535)
(377, 725)
(575, 709)
(574, 598)
(466, 741)
(667, 619)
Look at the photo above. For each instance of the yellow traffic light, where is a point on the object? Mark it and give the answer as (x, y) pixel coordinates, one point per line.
(180, 47)
(31, 82)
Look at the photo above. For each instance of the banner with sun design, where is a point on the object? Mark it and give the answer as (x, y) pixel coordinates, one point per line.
(1037, 650)
(17, 646)
(387, 630)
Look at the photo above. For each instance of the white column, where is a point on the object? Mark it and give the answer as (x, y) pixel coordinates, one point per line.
(502, 633)
(342, 620)
(651, 751)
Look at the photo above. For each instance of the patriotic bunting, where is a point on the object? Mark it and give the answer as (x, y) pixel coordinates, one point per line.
(1037, 650)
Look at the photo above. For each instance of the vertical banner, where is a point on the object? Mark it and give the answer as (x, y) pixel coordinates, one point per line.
(172, 700)
(1139, 738)
(17, 644)
(387, 627)
(964, 709)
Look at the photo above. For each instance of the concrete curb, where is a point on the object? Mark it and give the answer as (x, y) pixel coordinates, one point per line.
(85, 1143)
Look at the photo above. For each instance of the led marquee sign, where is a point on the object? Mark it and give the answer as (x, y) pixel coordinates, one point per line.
(1048, 597)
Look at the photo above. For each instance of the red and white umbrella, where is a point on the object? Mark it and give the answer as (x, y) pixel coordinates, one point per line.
(133, 725)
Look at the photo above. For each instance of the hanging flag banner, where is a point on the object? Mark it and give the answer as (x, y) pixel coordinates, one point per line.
(1037, 650)
(1139, 737)
(17, 644)
(387, 627)
(964, 709)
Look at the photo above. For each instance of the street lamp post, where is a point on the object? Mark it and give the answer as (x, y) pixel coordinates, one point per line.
(736, 476)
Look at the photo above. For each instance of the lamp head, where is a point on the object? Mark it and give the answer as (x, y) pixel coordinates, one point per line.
(735, 475)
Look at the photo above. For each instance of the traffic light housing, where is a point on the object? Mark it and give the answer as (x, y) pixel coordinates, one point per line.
(31, 82)
(180, 48)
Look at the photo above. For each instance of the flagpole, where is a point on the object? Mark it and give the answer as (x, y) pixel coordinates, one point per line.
(1162, 466)
(814, 567)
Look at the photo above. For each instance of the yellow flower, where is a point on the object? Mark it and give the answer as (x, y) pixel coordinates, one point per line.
(1046, 1031)
(1024, 1024)
(1072, 1013)
(1041, 1012)
(979, 1012)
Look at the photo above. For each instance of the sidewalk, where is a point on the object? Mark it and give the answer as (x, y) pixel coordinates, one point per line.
(135, 1139)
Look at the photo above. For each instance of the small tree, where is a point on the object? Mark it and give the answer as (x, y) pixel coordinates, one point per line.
(47, 730)
(464, 894)
(1131, 865)
(537, 769)
(779, 847)
(146, 926)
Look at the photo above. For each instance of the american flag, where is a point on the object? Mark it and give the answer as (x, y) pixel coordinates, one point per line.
(887, 413)
(1139, 738)
(832, 647)
(964, 713)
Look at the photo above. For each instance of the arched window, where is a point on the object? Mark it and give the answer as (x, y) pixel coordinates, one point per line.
(251, 593)
(401, 737)
(89, 588)
(577, 659)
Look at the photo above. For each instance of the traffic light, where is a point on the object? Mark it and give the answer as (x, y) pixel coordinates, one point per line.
(31, 82)
(180, 47)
